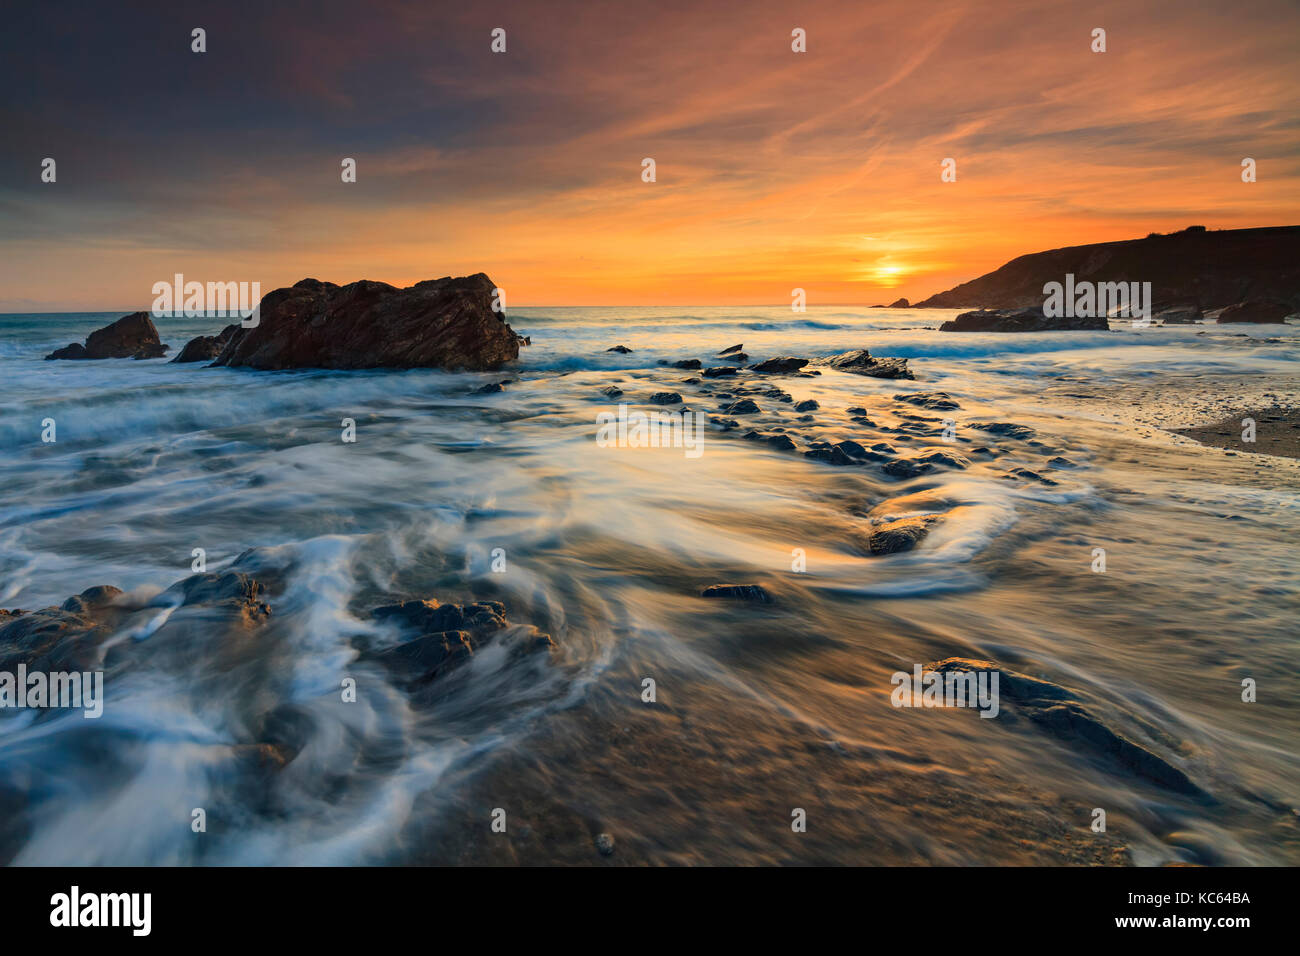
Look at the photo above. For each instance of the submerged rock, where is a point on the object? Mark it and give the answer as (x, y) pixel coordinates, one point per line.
(687, 364)
(745, 406)
(738, 592)
(132, 336)
(1022, 320)
(937, 401)
(862, 362)
(665, 398)
(439, 323)
(720, 371)
(1066, 716)
(620, 349)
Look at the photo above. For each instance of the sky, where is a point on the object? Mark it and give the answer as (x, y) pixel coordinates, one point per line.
(775, 170)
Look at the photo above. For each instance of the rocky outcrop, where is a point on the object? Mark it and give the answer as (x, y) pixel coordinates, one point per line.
(440, 323)
(1022, 320)
(132, 336)
(902, 534)
(1208, 269)
(204, 348)
(899, 304)
(1255, 310)
(862, 362)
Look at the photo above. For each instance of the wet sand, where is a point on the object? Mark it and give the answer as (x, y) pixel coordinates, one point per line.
(1277, 432)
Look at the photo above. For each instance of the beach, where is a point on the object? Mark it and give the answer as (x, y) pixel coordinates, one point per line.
(1009, 460)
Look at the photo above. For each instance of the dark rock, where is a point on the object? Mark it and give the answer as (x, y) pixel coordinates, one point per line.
(720, 371)
(937, 401)
(734, 348)
(861, 362)
(621, 349)
(899, 304)
(745, 406)
(782, 442)
(132, 336)
(903, 534)
(449, 635)
(808, 405)
(205, 348)
(1009, 429)
(1022, 320)
(490, 388)
(738, 592)
(665, 398)
(440, 323)
(780, 365)
(687, 364)
(1255, 310)
(611, 391)
(907, 468)
(831, 455)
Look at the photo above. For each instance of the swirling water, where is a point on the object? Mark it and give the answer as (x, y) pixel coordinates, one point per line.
(759, 710)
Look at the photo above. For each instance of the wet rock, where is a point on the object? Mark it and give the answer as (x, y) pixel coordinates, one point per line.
(808, 405)
(687, 364)
(449, 635)
(782, 442)
(205, 348)
(611, 391)
(440, 323)
(604, 844)
(862, 362)
(936, 401)
(780, 365)
(1022, 320)
(856, 410)
(1256, 310)
(830, 454)
(738, 592)
(1008, 429)
(665, 398)
(907, 468)
(721, 371)
(899, 535)
(490, 388)
(851, 448)
(621, 349)
(744, 406)
(1059, 462)
(1066, 716)
(726, 424)
(1025, 474)
(732, 349)
(132, 336)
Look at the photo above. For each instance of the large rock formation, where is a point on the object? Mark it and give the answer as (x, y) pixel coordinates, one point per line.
(1208, 269)
(132, 336)
(439, 323)
(1022, 320)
